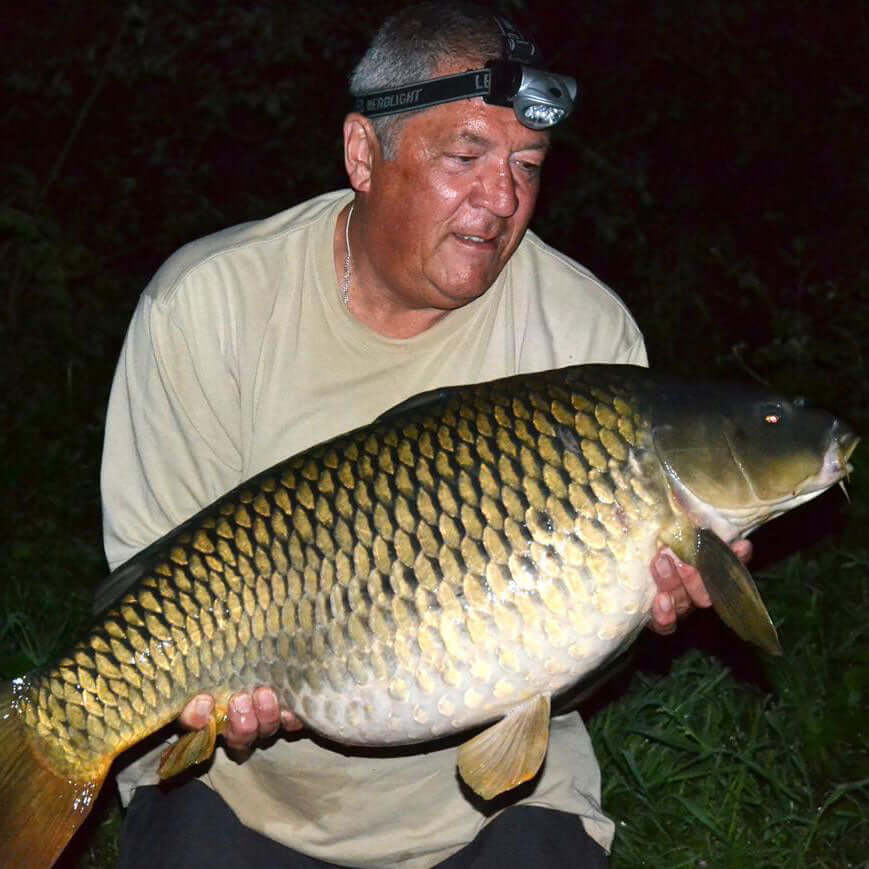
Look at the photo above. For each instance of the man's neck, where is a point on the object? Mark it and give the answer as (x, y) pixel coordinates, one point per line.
(371, 305)
(394, 324)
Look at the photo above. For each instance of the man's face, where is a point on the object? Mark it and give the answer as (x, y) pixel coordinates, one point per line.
(445, 215)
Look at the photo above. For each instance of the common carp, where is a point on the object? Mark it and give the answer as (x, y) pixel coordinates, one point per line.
(458, 562)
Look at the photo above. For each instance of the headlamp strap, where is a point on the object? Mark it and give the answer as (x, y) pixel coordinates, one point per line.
(516, 46)
(428, 93)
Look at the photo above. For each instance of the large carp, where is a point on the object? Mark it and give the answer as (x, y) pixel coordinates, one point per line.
(467, 556)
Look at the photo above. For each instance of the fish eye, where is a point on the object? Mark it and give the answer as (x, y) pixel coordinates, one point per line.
(772, 414)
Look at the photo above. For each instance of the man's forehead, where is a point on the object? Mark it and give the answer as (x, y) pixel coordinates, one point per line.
(472, 123)
(472, 136)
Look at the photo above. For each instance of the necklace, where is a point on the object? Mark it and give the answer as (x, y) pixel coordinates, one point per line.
(345, 280)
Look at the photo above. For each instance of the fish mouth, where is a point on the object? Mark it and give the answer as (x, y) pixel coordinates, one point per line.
(847, 441)
(840, 468)
(836, 467)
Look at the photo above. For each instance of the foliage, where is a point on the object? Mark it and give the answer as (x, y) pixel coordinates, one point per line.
(715, 175)
(704, 769)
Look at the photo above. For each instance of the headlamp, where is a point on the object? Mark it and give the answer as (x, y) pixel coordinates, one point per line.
(540, 99)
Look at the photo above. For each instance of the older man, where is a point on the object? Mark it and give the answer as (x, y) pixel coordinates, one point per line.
(257, 342)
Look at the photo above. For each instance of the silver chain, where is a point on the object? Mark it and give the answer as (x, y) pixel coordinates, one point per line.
(345, 280)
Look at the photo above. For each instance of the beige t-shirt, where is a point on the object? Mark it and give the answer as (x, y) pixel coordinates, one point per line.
(241, 353)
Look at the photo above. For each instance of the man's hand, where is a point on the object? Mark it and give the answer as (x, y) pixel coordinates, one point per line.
(251, 716)
(681, 588)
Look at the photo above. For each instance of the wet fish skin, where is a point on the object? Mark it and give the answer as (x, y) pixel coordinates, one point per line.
(416, 577)
(316, 577)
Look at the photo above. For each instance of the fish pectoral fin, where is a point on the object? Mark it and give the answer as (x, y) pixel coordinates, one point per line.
(193, 747)
(509, 752)
(734, 595)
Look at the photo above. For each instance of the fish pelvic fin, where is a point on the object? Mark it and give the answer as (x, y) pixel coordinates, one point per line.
(193, 747)
(509, 752)
(734, 595)
(40, 809)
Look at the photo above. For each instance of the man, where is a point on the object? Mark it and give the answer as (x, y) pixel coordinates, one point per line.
(260, 341)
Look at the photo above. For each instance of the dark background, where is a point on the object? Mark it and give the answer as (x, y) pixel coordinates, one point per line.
(716, 175)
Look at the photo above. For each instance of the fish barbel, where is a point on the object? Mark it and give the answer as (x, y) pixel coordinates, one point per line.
(457, 562)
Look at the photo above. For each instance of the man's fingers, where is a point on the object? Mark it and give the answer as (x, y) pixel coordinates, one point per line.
(268, 713)
(197, 712)
(743, 549)
(250, 716)
(670, 579)
(665, 604)
(242, 727)
(692, 583)
(664, 572)
(663, 614)
(680, 589)
(289, 721)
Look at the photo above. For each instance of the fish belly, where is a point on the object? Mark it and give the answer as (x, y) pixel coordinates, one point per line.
(480, 662)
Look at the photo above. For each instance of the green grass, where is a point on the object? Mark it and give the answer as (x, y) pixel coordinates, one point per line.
(702, 767)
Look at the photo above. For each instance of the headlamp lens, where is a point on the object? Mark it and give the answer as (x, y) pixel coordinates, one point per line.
(540, 117)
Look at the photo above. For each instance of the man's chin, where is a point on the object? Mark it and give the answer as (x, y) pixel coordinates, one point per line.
(458, 295)
(463, 287)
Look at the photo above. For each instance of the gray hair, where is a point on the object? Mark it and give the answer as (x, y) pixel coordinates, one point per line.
(412, 44)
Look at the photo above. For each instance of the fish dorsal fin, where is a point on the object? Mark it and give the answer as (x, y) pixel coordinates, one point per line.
(117, 583)
(424, 399)
(734, 595)
(510, 751)
(126, 575)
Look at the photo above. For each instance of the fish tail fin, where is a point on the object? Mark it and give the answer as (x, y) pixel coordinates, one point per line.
(39, 809)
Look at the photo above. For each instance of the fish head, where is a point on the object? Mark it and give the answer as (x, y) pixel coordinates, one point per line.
(736, 457)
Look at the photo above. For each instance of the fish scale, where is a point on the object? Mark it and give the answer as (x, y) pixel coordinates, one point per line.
(368, 580)
(457, 562)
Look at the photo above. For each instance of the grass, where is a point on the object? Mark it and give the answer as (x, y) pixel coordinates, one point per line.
(749, 762)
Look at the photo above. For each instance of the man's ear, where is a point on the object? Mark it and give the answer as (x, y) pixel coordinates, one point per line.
(361, 149)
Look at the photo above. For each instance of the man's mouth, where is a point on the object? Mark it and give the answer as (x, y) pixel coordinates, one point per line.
(476, 239)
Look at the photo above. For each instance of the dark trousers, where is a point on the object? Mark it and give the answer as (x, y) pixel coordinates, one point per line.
(191, 826)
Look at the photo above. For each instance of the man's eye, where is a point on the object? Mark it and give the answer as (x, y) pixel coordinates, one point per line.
(530, 168)
(463, 158)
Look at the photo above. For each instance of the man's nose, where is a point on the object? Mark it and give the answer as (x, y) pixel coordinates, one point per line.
(497, 191)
